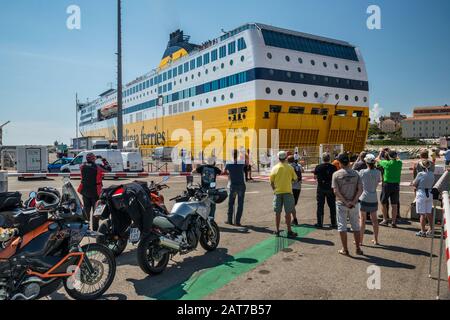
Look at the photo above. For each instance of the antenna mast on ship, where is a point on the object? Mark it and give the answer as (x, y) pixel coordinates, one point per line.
(119, 77)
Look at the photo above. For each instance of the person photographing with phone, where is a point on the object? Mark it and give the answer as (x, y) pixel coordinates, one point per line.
(347, 187)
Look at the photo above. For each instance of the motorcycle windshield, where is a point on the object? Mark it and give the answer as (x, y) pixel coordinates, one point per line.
(70, 195)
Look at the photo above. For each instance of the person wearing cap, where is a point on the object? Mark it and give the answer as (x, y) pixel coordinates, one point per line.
(92, 184)
(370, 178)
(424, 155)
(323, 173)
(360, 164)
(423, 184)
(390, 193)
(348, 188)
(281, 179)
(209, 173)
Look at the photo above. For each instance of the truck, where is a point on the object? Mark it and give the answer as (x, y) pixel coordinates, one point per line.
(31, 159)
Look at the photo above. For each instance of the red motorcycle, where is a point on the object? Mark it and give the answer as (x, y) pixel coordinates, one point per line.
(117, 240)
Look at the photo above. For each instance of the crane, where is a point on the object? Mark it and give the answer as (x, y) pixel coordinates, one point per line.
(1, 132)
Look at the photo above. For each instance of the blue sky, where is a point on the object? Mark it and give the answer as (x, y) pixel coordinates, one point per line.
(43, 64)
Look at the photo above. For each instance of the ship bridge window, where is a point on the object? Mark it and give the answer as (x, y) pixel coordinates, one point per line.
(275, 109)
(357, 114)
(241, 44)
(223, 51)
(297, 110)
(341, 113)
(232, 47)
(315, 111)
(206, 58)
(214, 55)
(192, 64)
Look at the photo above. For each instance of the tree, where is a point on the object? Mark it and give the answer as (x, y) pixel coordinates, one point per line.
(373, 129)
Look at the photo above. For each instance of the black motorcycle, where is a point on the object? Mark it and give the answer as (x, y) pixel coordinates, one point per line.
(40, 250)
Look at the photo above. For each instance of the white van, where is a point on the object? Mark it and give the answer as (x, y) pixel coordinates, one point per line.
(132, 162)
(114, 157)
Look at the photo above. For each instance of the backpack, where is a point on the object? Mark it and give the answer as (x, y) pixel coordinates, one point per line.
(10, 200)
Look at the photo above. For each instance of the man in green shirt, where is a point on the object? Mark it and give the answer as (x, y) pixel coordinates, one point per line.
(390, 192)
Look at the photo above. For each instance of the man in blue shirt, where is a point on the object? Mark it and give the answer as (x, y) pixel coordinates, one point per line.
(235, 172)
(447, 157)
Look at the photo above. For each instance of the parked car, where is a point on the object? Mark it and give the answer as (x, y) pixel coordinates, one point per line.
(163, 154)
(56, 166)
(114, 157)
(132, 162)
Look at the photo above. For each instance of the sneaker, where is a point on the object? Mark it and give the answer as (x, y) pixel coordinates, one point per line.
(295, 222)
(429, 234)
(421, 234)
(384, 223)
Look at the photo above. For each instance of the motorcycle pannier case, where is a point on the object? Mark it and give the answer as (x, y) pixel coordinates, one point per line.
(25, 221)
(10, 200)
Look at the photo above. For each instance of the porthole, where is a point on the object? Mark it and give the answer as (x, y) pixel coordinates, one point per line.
(199, 74)
(269, 55)
(214, 68)
(242, 58)
(268, 90)
(346, 97)
(222, 65)
(206, 71)
(293, 93)
(305, 94)
(313, 62)
(288, 58)
(288, 74)
(346, 68)
(223, 97)
(300, 60)
(316, 94)
(186, 79)
(193, 104)
(356, 98)
(336, 97)
(325, 64)
(214, 99)
(181, 80)
(336, 66)
(192, 77)
(365, 99)
(359, 69)
(207, 101)
(280, 92)
(231, 95)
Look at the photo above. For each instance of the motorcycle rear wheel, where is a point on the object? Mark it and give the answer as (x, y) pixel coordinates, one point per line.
(149, 250)
(210, 239)
(117, 246)
(75, 289)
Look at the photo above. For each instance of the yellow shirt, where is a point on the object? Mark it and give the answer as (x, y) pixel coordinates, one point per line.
(282, 176)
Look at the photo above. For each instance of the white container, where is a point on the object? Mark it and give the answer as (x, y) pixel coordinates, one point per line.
(132, 162)
(32, 159)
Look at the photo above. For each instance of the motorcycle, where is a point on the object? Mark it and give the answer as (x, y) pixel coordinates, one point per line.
(117, 241)
(181, 231)
(40, 250)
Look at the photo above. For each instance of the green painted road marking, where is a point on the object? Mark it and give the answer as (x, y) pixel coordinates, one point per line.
(205, 283)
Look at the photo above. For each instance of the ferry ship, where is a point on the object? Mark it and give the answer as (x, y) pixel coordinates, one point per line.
(313, 89)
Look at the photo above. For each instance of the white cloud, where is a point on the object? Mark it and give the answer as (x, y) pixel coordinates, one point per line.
(375, 113)
(38, 132)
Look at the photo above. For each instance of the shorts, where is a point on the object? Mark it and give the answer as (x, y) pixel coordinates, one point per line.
(424, 204)
(285, 200)
(369, 207)
(353, 214)
(390, 191)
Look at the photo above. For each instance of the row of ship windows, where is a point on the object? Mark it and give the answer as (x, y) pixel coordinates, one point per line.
(169, 86)
(316, 94)
(313, 62)
(203, 60)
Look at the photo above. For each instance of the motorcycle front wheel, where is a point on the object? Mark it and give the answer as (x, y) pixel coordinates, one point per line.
(152, 258)
(87, 285)
(210, 238)
(117, 246)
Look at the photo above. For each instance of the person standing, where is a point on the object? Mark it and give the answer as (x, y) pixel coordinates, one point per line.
(236, 182)
(209, 173)
(392, 171)
(370, 178)
(424, 156)
(423, 184)
(348, 188)
(92, 184)
(323, 174)
(447, 157)
(360, 164)
(281, 179)
(296, 185)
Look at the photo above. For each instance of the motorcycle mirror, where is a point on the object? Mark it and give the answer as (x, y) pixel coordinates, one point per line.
(212, 185)
(33, 194)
